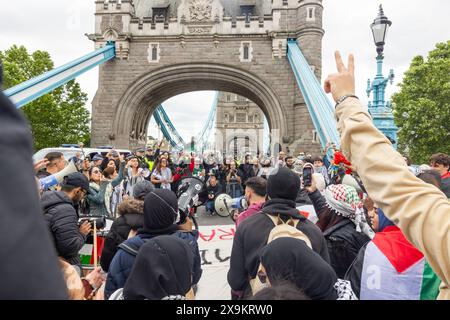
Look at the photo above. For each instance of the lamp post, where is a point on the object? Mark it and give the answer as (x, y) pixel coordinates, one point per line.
(381, 110)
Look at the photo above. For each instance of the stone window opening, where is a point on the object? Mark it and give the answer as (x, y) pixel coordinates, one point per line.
(159, 14)
(315, 137)
(247, 11)
(247, 143)
(246, 51)
(154, 53)
(311, 14)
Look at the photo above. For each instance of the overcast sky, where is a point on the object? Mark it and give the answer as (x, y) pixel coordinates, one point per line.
(58, 26)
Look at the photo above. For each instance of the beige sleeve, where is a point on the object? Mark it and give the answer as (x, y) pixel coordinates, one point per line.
(420, 210)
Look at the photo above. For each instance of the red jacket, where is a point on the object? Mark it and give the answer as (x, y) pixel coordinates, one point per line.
(180, 173)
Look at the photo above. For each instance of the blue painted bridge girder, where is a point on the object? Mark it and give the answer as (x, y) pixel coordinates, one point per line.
(319, 107)
(35, 88)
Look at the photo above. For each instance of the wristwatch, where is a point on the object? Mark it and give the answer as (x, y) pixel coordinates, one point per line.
(341, 99)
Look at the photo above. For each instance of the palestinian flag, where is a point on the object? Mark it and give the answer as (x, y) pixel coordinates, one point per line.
(87, 252)
(391, 268)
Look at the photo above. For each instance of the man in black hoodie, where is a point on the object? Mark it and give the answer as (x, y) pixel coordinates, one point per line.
(252, 234)
(62, 218)
(246, 170)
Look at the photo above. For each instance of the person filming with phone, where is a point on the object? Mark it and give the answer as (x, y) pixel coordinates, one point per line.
(62, 218)
(341, 219)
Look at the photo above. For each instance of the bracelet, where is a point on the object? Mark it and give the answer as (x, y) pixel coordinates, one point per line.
(341, 99)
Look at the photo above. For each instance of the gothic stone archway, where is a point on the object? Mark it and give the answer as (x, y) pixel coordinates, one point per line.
(144, 95)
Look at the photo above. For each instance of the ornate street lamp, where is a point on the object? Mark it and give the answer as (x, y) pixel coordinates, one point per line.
(379, 28)
(379, 109)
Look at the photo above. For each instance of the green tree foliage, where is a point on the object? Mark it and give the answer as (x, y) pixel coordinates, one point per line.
(422, 107)
(57, 117)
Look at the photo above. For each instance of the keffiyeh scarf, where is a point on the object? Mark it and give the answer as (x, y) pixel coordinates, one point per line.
(345, 201)
(344, 290)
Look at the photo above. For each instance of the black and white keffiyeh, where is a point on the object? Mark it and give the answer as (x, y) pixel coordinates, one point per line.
(344, 290)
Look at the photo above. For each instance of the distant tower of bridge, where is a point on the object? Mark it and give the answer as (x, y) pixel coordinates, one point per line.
(239, 125)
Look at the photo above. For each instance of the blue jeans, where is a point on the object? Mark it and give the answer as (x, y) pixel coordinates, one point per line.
(210, 206)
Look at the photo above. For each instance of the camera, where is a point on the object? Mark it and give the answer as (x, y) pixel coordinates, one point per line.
(100, 221)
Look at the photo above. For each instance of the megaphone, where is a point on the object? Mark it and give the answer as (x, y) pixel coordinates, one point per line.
(224, 204)
(58, 177)
(188, 190)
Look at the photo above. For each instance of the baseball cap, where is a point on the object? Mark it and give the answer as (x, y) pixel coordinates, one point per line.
(141, 189)
(77, 179)
(97, 157)
(140, 150)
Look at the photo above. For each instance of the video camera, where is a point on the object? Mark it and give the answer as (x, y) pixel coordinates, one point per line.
(100, 221)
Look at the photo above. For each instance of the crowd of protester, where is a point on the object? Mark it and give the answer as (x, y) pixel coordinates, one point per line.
(375, 229)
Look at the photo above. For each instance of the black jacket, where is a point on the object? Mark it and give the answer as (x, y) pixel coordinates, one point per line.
(246, 171)
(62, 220)
(216, 190)
(252, 235)
(343, 241)
(29, 267)
(131, 216)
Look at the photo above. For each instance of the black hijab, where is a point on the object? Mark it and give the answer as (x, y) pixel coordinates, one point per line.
(163, 268)
(160, 212)
(292, 260)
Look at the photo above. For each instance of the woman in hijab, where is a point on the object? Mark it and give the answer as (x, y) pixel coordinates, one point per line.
(390, 268)
(160, 218)
(162, 271)
(290, 259)
(342, 221)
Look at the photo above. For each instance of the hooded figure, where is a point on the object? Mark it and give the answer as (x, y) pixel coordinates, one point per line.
(160, 214)
(343, 223)
(253, 233)
(383, 222)
(289, 259)
(161, 270)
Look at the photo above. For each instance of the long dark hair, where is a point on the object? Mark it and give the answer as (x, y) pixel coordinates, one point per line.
(158, 166)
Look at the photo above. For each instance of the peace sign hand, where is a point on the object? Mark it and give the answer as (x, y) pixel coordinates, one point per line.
(343, 82)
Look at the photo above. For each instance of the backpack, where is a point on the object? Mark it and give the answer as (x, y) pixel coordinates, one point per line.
(280, 230)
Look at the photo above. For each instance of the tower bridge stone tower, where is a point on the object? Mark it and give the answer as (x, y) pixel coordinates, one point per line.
(169, 47)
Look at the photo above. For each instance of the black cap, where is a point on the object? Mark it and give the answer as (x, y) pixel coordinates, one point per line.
(77, 179)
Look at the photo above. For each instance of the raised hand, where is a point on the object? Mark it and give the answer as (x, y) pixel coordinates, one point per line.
(343, 82)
